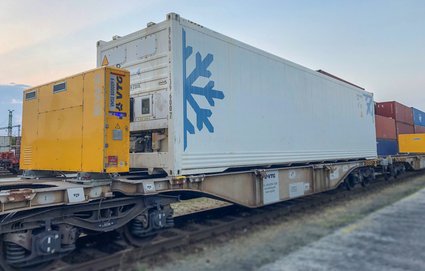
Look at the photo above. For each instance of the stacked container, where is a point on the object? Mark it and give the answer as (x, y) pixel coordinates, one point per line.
(415, 141)
(392, 117)
(418, 121)
(419, 129)
(386, 135)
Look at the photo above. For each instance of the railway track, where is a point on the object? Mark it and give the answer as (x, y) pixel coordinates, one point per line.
(6, 174)
(110, 252)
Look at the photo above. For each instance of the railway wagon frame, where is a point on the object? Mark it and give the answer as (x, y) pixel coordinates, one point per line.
(42, 218)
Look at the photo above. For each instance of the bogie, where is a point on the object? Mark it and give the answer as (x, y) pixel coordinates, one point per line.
(25, 243)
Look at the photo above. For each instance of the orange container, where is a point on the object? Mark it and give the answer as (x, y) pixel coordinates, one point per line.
(385, 127)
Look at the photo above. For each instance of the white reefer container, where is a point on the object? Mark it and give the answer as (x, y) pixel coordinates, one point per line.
(204, 102)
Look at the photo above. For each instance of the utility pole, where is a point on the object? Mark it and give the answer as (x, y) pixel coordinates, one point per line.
(9, 129)
(10, 125)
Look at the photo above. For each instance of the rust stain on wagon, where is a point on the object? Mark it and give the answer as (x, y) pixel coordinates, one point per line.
(21, 195)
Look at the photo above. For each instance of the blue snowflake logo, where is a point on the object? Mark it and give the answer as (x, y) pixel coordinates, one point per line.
(369, 104)
(189, 90)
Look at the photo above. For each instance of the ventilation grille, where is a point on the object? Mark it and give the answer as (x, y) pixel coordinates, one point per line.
(27, 155)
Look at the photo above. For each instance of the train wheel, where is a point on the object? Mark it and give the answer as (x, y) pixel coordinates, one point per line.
(367, 180)
(135, 235)
(12, 252)
(367, 176)
(387, 176)
(142, 229)
(9, 252)
(350, 182)
(4, 266)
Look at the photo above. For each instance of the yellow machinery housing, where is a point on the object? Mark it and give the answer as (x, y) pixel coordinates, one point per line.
(411, 143)
(78, 124)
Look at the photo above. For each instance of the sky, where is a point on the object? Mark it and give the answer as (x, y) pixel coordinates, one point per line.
(377, 44)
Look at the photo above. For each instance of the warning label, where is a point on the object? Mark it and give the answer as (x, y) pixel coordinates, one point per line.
(113, 92)
(112, 161)
(271, 187)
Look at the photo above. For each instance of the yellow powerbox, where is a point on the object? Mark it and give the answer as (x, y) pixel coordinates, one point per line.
(78, 124)
(411, 143)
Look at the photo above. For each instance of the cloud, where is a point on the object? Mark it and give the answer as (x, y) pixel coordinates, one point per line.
(39, 48)
(19, 85)
(15, 101)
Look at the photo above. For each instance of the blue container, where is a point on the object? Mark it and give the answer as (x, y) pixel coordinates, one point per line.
(418, 117)
(386, 147)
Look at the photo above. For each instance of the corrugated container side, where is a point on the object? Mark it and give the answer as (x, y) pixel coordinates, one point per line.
(385, 128)
(266, 109)
(387, 147)
(404, 128)
(146, 54)
(418, 117)
(395, 110)
(419, 129)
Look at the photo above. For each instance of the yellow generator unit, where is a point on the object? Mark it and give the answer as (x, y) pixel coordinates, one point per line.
(78, 124)
(411, 143)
